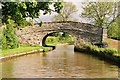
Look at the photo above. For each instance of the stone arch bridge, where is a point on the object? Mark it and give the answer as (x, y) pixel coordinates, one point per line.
(82, 32)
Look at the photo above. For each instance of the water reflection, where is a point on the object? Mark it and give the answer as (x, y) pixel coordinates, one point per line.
(7, 69)
(0, 70)
(63, 62)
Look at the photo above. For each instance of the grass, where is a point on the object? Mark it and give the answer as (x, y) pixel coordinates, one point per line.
(21, 49)
(108, 51)
(108, 54)
(51, 40)
(96, 49)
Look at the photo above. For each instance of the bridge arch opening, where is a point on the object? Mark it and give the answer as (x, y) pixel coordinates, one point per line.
(54, 38)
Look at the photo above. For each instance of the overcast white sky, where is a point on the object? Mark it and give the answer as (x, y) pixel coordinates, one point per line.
(49, 17)
(78, 3)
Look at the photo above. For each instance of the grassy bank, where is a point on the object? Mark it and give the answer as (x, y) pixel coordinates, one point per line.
(52, 40)
(21, 49)
(108, 54)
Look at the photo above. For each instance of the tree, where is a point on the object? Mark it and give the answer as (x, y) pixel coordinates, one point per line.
(101, 13)
(20, 10)
(66, 13)
(15, 12)
(114, 30)
(9, 38)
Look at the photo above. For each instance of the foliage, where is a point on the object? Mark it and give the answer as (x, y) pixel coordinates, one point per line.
(101, 51)
(66, 38)
(14, 14)
(100, 13)
(23, 23)
(66, 13)
(0, 38)
(0, 22)
(22, 49)
(40, 24)
(9, 38)
(4, 43)
(52, 40)
(114, 30)
(20, 10)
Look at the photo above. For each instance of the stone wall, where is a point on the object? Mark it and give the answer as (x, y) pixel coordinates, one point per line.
(29, 35)
(33, 35)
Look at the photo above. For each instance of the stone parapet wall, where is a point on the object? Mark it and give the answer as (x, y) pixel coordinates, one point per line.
(70, 25)
(33, 35)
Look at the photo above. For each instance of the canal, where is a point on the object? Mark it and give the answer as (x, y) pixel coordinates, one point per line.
(62, 62)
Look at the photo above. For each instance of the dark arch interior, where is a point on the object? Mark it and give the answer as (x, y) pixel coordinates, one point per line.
(51, 34)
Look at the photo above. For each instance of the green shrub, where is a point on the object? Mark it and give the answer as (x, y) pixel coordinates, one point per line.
(0, 38)
(4, 43)
(40, 24)
(114, 31)
(59, 39)
(9, 38)
(96, 50)
(23, 23)
(108, 54)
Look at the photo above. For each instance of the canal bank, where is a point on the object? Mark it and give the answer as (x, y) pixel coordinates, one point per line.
(106, 54)
(62, 62)
(103, 54)
(26, 50)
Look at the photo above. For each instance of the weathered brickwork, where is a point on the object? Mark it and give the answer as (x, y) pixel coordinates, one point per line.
(83, 32)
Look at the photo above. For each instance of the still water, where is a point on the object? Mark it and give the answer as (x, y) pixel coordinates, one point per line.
(62, 62)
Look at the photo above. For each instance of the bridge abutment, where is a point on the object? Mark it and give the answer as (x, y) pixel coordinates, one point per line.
(104, 34)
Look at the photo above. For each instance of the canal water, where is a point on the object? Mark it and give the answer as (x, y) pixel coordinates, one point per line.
(62, 62)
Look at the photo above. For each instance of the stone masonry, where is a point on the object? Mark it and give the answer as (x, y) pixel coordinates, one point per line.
(82, 32)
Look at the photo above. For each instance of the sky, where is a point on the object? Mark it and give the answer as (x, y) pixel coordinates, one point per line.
(49, 17)
(78, 3)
